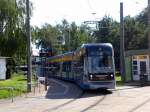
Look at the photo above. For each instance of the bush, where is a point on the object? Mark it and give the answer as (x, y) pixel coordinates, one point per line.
(118, 73)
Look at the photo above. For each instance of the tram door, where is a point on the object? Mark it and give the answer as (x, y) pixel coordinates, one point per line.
(143, 67)
(139, 67)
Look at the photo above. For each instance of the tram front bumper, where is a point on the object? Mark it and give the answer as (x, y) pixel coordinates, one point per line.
(101, 85)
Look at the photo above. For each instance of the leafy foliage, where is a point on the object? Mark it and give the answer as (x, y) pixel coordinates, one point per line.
(12, 31)
(46, 37)
(62, 37)
(134, 34)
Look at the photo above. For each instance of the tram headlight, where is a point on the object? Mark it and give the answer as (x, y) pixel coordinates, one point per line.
(91, 76)
(111, 75)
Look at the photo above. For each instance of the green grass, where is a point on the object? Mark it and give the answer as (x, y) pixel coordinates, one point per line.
(18, 82)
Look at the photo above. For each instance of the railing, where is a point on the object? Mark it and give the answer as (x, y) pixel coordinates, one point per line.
(11, 89)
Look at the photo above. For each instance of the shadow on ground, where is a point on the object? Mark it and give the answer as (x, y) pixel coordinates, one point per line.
(71, 91)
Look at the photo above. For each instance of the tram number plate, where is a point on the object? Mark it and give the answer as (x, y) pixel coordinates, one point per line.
(100, 77)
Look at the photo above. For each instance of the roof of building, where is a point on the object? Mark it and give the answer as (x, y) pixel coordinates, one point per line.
(1, 57)
(136, 52)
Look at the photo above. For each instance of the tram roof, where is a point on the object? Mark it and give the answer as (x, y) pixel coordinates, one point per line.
(61, 55)
(68, 53)
(83, 46)
(96, 44)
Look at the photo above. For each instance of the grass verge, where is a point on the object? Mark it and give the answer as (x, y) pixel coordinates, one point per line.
(18, 82)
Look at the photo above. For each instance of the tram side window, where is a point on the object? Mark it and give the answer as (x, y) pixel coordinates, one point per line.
(79, 62)
(66, 66)
(82, 60)
(69, 66)
(57, 67)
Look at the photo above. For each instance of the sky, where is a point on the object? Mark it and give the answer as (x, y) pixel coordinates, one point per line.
(54, 11)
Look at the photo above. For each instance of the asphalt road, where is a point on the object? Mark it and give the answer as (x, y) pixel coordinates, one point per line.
(67, 97)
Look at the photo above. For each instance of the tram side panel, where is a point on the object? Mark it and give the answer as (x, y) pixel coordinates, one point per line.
(66, 71)
(78, 69)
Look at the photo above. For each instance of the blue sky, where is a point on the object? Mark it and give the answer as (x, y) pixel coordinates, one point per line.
(53, 11)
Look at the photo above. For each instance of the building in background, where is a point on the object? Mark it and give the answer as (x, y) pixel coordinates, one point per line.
(137, 65)
(3, 69)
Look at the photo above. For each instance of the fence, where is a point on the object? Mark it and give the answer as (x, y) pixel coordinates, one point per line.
(36, 85)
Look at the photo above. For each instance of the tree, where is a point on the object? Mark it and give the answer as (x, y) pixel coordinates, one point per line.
(65, 30)
(134, 34)
(142, 17)
(80, 35)
(104, 28)
(61, 38)
(46, 37)
(12, 30)
(74, 35)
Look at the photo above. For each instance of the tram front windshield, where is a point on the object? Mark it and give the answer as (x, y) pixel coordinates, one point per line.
(100, 59)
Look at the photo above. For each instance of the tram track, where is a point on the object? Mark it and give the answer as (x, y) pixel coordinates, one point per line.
(82, 94)
(140, 105)
(94, 104)
(66, 103)
(77, 98)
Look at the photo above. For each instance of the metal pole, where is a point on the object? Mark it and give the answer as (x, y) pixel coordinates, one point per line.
(149, 33)
(122, 49)
(69, 41)
(12, 94)
(46, 73)
(29, 52)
